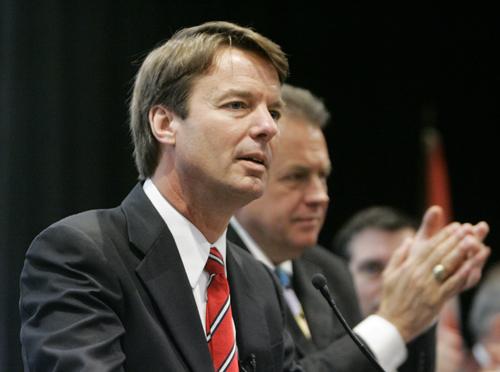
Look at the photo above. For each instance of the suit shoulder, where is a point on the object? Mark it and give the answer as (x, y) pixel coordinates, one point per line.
(89, 222)
(253, 267)
(91, 226)
(323, 257)
(243, 255)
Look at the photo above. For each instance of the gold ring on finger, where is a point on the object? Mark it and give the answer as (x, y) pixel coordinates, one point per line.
(439, 272)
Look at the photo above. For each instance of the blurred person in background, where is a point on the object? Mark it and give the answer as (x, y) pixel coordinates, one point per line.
(484, 321)
(281, 229)
(367, 241)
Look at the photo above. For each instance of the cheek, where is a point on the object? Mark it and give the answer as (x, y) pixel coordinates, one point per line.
(280, 218)
(376, 287)
(281, 204)
(307, 236)
(269, 213)
(369, 287)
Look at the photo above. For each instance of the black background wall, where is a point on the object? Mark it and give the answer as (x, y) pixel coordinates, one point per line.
(65, 74)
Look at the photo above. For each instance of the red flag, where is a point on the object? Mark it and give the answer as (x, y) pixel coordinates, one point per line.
(437, 192)
(437, 185)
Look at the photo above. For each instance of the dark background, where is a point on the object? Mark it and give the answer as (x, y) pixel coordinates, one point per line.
(66, 69)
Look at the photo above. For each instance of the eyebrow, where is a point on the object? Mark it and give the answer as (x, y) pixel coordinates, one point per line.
(304, 168)
(279, 104)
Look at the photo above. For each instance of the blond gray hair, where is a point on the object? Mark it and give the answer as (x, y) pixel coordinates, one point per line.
(167, 74)
(301, 102)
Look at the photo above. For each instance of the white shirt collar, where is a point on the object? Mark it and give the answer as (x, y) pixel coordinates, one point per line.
(256, 251)
(192, 245)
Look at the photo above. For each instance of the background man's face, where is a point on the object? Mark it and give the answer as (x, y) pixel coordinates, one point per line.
(290, 214)
(370, 251)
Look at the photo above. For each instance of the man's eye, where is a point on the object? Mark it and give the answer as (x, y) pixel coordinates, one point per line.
(372, 268)
(295, 176)
(275, 114)
(236, 105)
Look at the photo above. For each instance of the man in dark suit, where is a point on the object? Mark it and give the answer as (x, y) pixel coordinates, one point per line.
(281, 227)
(129, 288)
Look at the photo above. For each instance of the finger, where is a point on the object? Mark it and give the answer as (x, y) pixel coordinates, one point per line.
(456, 256)
(478, 262)
(432, 221)
(456, 282)
(481, 229)
(459, 246)
(473, 278)
(467, 275)
(469, 230)
(433, 250)
(400, 254)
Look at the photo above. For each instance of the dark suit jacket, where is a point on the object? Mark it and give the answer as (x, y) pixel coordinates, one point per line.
(331, 348)
(106, 290)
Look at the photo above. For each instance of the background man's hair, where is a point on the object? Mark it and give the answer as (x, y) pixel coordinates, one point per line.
(302, 102)
(376, 217)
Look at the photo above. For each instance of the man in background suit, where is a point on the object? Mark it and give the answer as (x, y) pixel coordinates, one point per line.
(281, 229)
(367, 241)
(126, 289)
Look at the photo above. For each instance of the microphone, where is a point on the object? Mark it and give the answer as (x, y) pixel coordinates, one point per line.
(319, 282)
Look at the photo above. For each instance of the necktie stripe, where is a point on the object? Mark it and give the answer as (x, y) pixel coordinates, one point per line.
(215, 252)
(211, 277)
(221, 338)
(229, 359)
(216, 259)
(220, 317)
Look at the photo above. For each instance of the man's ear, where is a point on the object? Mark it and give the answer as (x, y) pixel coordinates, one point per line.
(160, 121)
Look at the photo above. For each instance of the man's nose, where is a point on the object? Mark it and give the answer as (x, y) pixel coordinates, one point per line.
(264, 127)
(317, 191)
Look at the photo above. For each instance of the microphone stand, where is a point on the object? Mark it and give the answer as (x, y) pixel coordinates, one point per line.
(319, 282)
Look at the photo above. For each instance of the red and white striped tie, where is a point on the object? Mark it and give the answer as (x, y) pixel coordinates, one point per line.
(219, 322)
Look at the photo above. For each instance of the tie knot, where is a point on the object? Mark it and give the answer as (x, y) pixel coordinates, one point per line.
(283, 277)
(215, 262)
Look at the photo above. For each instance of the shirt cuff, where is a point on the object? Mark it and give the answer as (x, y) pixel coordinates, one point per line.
(384, 340)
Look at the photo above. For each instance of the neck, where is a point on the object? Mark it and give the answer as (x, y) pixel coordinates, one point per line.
(210, 214)
(274, 250)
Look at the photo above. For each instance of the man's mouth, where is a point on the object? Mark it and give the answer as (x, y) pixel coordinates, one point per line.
(257, 159)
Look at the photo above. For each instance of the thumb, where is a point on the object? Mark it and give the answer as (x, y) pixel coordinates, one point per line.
(432, 222)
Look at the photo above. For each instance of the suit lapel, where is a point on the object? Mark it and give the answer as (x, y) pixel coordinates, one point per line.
(317, 312)
(303, 345)
(233, 236)
(245, 312)
(163, 274)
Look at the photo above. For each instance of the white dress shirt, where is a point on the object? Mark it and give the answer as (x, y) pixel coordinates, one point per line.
(381, 336)
(192, 245)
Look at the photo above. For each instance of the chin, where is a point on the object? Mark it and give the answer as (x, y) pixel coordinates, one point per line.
(307, 238)
(303, 244)
(254, 187)
(246, 193)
